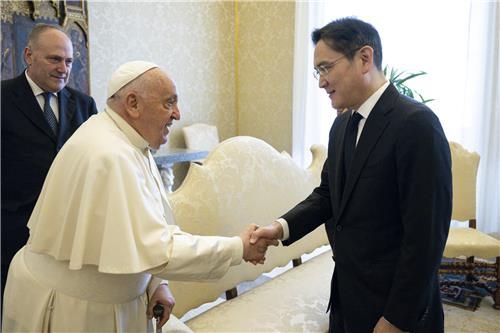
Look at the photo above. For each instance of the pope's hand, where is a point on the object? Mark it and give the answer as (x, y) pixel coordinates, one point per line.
(162, 295)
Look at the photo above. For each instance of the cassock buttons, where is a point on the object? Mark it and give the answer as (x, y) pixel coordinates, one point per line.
(339, 228)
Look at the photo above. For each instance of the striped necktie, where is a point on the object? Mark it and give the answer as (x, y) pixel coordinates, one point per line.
(48, 113)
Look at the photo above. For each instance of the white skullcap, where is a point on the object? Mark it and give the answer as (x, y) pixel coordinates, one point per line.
(126, 73)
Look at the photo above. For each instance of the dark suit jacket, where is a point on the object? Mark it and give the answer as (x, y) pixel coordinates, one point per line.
(389, 227)
(28, 148)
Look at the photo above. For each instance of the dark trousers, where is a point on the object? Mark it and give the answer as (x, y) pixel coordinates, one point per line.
(15, 234)
(431, 321)
(336, 324)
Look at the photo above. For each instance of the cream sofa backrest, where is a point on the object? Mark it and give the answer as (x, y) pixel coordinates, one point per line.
(243, 180)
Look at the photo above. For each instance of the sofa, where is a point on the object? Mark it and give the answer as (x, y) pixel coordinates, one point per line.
(245, 180)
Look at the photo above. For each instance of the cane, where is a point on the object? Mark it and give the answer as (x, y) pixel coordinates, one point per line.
(158, 313)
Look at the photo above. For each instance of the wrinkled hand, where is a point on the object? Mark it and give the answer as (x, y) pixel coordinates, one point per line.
(383, 326)
(255, 251)
(162, 295)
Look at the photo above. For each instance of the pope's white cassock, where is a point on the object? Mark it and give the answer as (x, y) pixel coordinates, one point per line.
(102, 237)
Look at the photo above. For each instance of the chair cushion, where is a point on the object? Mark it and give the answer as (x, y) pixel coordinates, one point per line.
(471, 242)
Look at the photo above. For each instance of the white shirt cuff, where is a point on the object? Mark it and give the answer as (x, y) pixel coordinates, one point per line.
(284, 225)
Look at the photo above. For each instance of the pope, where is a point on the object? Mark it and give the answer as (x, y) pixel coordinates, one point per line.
(103, 238)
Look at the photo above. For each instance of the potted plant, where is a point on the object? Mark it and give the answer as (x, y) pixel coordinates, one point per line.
(399, 80)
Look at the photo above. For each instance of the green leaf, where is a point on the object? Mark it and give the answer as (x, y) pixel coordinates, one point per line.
(399, 79)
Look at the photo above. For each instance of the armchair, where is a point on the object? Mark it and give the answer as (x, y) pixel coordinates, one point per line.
(200, 136)
(468, 242)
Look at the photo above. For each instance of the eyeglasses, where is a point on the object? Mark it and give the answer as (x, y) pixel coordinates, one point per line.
(323, 70)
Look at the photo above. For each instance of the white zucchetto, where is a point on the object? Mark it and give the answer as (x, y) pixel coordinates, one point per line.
(126, 73)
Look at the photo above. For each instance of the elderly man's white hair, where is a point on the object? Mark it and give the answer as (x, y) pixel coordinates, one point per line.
(126, 73)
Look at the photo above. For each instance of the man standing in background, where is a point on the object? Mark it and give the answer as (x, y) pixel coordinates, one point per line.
(38, 114)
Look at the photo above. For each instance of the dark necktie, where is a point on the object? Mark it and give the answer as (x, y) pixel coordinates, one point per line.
(350, 142)
(48, 113)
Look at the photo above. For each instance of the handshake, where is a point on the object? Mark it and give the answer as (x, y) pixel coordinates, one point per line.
(257, 239)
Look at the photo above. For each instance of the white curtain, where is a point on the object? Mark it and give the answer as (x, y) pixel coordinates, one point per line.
(483, 108)
(309, 110)
(461, 55)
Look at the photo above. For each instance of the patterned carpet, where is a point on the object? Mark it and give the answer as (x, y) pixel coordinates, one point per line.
(456, 291)
(466, 297)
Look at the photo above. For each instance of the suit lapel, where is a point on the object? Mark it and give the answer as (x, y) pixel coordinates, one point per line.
(29, 106)
(339, 158)
(374, 127)
(67, 108)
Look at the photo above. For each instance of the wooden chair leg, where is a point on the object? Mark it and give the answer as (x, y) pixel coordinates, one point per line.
(231, 293)
(496, 296)
(470, 268)
(297, 261)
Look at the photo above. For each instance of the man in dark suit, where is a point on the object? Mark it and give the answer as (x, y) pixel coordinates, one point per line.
(386, 209)
(29, 143)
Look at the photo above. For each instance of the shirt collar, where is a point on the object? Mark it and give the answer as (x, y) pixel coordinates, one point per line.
(135, 138)
(368, 105)
(34, 87)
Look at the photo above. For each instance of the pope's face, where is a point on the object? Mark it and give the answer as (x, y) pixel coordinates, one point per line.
(49, 60)
(159, 109)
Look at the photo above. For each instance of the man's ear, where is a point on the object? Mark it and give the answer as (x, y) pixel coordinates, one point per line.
(366, 55)
(27, 54)
(132, 104)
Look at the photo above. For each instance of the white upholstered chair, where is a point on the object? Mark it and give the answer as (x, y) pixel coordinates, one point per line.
(469, 242)
(243, 180)
(200, 136)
